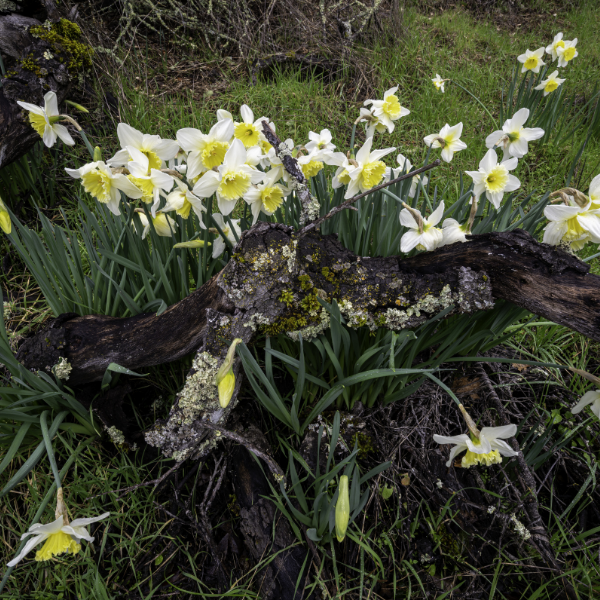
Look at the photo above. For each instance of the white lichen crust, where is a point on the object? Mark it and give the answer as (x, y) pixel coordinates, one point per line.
(62, 369)
(116, 435)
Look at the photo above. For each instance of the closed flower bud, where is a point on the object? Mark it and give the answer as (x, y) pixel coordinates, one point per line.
(225, 377)
(342, 509)
(5, 223)
(97, 154)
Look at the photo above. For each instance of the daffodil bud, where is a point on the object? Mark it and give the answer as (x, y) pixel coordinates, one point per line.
(97, 154)
(225, 376)
(77, 106)
(342, 509)
(5, 223)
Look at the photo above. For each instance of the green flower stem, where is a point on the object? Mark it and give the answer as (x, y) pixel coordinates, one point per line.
(87, 143)
(49, 450)
(477, 100)
(49, 495)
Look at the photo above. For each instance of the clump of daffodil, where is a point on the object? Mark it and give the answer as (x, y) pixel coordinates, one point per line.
(551, 83)
(532, 61)
(45, 121)
(439, 82)
(494, 179)
(448, 139)
(342, 509)
(423, 233)
(163, 224)
(485, 447)
(567, 53)
(225, 379)
(514, 138)
(389, 109)
(5, 223)
(155, 149)
(574, 222)
(231, 180)
(59, 537)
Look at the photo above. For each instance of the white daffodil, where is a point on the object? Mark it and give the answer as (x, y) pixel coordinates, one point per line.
(249, 131)
(231, 180)
(206, 150)
(573, 224)
(389, 109)
(267, 196)
(320, 141)
(514, 138)
(153, 147)
(149, 180)
(313, 162)
(453, 232)
(45, 121)
(438, 82)
(448, 139)
(567, 53)
(181, 200)
(163, 224)
(373, 123)
(60, 536)
(594, 192)
(423, 234)
(532, 61)
(405, 167)
(5, 223)
(557, 43)
(592, 397)
(494, 179)
(487, 450)
(100, 182)
(367, 170)
(219, 245)
(550, 84)
(223, 115)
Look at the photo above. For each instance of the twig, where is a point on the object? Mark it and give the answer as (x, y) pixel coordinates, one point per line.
(236, 437)
(350, 201)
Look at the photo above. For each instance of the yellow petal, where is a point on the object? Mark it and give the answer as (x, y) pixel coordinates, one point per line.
(56, 544)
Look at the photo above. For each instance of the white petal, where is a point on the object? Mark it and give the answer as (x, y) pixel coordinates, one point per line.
(85, 521)
(407, 219)
(519, 119)
(532, 133)
(51, 104)
(222, 131)
(503, 448)
(554, 232)
(591, 223)
(49, 136)
(121, 182)
(120, 159)
(128, 136)
(190, 139)
(207, 185)
(503, 432)
(29, 546)
(436, 215)
(379, 154)
(166, 149)
(447, 154)
(453, 439)
(36, 110)
(79, 533)
(63, 133)
(489, 161)
(226, 206)
(560, 212)
(247, 114)
(162, 180)
(363, 154)
(483, 447)
(218, 247)
(236, 155)
(410, 240)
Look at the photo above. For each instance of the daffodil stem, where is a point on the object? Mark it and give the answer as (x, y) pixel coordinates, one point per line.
(49, 450)
(87, 143)
(352, 138)
(476, 100)
(49, 495)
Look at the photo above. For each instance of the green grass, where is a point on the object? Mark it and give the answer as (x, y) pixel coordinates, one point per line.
(453, 44)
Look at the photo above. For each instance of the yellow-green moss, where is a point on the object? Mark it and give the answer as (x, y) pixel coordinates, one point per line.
(305, 282)
(287, 297)
(363, 442)
(29, 64)
(65, 36)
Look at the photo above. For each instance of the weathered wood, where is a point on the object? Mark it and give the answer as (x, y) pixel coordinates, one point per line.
(392, 292)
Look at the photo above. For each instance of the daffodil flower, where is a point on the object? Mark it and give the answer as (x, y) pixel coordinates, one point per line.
(557, 43)
(453, 232)
(532, 61)
(550, 84)
(151, 181)
(367, 170)
(153, 147)
(494, 179)
(163, 224)
(342, 509)
(514, 138)
(313, 162)
(573, 224)
(45, 121)
(5, 223)
(373, 123)
(389, 109)
(249, 131)
(267, 196)
(100, 182)
(182, 200)
(320, 141)
(594, 192)
(423, 234)
(231, 181)
(567, 53)
(448, 139)
(438, 82)
(592, 397)
(206, 150)
(270, 159)
(487, 450)
(219, 245)
(60, 536)
(405, 167)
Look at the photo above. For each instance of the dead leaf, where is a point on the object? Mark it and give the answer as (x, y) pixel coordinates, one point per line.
(405, 481)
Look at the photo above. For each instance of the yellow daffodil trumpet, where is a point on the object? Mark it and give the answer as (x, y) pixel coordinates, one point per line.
(225, 376)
